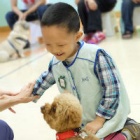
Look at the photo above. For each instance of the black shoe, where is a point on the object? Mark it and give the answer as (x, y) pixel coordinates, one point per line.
(127, 35)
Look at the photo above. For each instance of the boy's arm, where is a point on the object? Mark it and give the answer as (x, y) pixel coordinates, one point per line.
(45, 81)
(108, 78)
(110, 84)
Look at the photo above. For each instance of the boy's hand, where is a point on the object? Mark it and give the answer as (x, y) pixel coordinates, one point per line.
(95, 125)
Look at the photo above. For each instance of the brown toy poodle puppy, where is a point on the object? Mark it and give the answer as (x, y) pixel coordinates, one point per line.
(65, 116)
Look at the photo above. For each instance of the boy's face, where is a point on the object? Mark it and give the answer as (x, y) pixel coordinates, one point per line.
(60, 42)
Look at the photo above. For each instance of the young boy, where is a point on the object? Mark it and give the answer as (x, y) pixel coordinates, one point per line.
(85, 70)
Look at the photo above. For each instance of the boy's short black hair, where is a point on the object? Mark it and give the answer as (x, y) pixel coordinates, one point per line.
(63, 15)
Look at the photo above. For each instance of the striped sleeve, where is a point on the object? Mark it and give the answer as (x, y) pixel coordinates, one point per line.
(45, 81)
(107, 74)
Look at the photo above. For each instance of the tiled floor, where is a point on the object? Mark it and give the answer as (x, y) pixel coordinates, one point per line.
(28, 123)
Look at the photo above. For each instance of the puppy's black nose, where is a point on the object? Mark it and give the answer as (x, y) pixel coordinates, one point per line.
(42, 109)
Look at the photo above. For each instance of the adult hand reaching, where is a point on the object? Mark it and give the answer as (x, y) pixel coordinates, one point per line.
(10, 99)
(25, 94)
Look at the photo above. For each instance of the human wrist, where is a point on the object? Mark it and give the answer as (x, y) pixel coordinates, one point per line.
(15, 100)
(100, 120)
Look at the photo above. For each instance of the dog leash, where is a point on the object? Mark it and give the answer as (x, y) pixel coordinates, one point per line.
(16, 50)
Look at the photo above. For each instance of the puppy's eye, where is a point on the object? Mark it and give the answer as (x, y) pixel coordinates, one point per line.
(54, 109)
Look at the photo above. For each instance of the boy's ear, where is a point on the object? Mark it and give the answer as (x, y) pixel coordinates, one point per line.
(79, 35)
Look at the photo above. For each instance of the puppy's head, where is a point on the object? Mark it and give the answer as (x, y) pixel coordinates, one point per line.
(65, 113)
(21, 26)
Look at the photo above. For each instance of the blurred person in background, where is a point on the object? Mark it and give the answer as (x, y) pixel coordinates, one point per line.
(33, 10)
(127, 17)
(90, 13)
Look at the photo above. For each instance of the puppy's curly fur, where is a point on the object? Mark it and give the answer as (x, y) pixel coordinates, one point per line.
(12, 47)
(64, 114)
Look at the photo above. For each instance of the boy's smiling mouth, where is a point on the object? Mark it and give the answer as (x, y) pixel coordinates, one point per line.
(59, 54)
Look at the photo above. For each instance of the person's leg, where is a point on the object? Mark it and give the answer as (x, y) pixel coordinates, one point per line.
(94, 21)
(41, 10)
(83, 14)
(38, 13)
(94, 17)
(32, 16)
(106, 5)
(127, 16)
(127, 12)
(103, 6)
(95, 25)
(11, 19)
(6, 132)
(91, 21)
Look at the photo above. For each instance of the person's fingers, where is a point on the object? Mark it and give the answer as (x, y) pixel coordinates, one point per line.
(31, 84)
(12, 94)
(32, 98)
(28, 86)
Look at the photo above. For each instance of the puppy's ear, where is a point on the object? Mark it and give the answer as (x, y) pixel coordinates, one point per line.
(73, 117)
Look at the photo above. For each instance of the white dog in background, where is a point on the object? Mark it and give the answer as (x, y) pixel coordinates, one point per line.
(18, 39)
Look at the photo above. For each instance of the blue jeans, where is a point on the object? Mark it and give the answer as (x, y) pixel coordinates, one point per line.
(11, 17)
(6, 132)
(127, 14)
